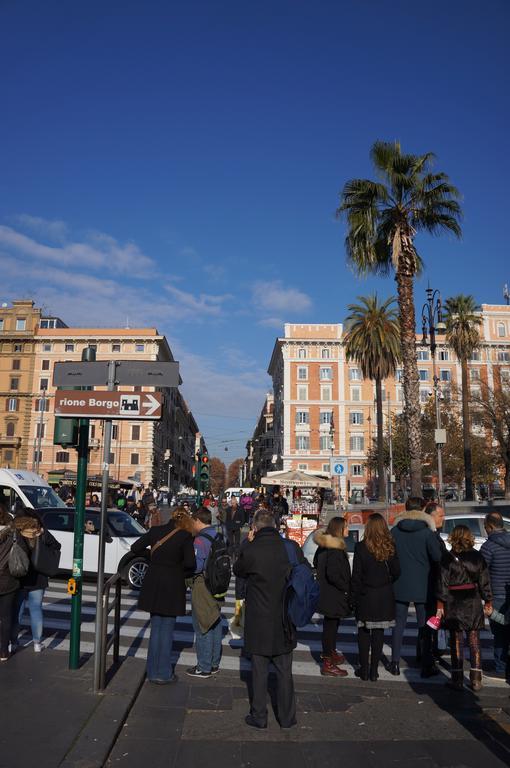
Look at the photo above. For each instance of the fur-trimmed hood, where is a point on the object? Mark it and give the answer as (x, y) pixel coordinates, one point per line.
(409, 521)
(327, 541)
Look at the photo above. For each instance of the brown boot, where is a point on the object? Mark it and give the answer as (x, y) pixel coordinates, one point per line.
(457, 681)
(330, 669)
(475, 679)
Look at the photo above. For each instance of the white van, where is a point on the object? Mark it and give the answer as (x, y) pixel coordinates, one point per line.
(237, 492)
(21, 488)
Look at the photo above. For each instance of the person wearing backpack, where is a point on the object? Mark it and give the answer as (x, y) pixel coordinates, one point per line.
(265, 565)
(209, 585)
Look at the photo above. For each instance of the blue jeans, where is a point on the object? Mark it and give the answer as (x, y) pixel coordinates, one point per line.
(159, 655)
(501, 634)
(208, 645)
(401, 610)
(31, 599)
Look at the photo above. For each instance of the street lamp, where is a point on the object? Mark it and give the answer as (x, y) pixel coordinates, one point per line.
(432, 322)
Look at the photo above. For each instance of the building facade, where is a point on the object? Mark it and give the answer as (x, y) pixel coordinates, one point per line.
(260, 451)
(323, 406)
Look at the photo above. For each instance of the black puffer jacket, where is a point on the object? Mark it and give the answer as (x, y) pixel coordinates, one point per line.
(334, 574)
(463, 607)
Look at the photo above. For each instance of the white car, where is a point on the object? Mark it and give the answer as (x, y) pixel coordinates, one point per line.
(122, 532)
(474, 521)
(355, 534)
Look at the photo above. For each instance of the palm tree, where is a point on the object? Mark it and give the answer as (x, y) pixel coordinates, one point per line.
(463, 323)
(383, 218)
(373, 340)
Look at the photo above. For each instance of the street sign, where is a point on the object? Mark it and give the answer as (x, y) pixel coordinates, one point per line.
(339, 466)
(109, 405)
(133, 373)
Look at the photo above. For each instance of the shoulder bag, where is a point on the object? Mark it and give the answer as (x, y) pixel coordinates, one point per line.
(19, 562)
(45, 558)
(163, 540)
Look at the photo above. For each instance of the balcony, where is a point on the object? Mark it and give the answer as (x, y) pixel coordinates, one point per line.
(9, 442)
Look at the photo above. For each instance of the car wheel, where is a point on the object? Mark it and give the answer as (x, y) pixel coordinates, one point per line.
(135, 571)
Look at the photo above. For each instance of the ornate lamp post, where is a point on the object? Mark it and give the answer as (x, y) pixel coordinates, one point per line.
(432, 321)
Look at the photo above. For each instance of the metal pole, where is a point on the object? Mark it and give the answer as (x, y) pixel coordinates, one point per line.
(440, 491)
(42, 409)
(102, 537)
(390, 440)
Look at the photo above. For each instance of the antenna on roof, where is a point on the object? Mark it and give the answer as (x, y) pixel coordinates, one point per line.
(127, 324)
(506, 294)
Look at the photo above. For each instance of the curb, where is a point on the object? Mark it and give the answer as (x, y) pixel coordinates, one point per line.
(99, 734)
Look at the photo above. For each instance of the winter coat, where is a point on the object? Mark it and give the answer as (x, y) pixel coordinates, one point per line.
(417, 548)
(496, 553)
(163, 590)
(7, 582)
(373, 585)
(35, 580)
(434, 577)
(334, 575)
(265, 565)
(463, 607)
(233, 520)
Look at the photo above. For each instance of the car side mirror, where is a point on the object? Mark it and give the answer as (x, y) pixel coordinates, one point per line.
(108, 538)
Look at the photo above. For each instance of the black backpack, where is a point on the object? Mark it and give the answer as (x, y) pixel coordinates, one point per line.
(218, 567)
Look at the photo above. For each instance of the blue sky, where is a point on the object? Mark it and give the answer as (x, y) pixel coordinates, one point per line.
(179, 164)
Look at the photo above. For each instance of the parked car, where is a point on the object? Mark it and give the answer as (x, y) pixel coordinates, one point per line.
(473, 521)
(355, 534)
(122, 532)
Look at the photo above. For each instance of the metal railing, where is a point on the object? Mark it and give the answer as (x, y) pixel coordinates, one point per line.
(108, 640)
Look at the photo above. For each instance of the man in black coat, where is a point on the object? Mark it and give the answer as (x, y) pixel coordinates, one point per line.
(265, 565)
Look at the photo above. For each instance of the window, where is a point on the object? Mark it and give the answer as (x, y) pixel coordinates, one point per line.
(43, 383)
(42, 404)
(38, 457)
(326, 468)
(59, 521)
(139, 348)
(18, 347)
(46, 347)
(326, 374)
(444, 354)
(501, 330)
(111, 458)
(325, 391)
(137, 389)
(45, 365)
(135, 432)
(357, 443)
(325, 442)
(326, 417)
(399, 374)
(8, 456)
(475, 390)
(476, 419)
(354, 374)
(400, 395)
(302, 392)
(424, 395)
(115, 347)
(445, 374)
(474, 374)
(302, 354)
(302, 417)
(115, 431)
(476, 355)
(21, 324)
(135, 458)
(355, 394)
(302, 373)
(62, 457)
(325, 354)
(505, 376)
(302, 442)
(356, 417)
(10, 429)
(473, 523)
(302, 466)
(422, 354)
(504, 357)
(356, 470)
(447, 394)
(40, 429)
(16, 365)
(69, 347)
(93, 346)
(423, 374)
(12, 404)
(92, 433)
(14, 383)
(1, 324)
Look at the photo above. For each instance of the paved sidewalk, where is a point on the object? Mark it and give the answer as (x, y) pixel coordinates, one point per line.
(347, 723)
(50, 717)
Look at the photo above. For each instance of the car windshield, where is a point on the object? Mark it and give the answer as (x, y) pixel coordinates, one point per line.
(120, 523)
(41, 497)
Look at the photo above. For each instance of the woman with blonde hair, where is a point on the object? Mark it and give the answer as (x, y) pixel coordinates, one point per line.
(464, 584)
(375, 568)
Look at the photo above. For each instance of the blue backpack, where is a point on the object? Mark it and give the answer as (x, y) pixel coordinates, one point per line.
(302, 592)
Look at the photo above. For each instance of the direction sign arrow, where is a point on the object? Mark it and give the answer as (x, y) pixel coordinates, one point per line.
(109, 405)
(152, 405)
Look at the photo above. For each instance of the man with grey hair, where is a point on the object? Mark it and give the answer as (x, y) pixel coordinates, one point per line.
(264, 564)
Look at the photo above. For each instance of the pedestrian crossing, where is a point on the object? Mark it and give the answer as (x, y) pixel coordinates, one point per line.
(135, 630)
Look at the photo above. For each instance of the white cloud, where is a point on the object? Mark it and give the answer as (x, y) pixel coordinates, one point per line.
(272, 322)
(53, 229)
(204, 304)
(274, 297)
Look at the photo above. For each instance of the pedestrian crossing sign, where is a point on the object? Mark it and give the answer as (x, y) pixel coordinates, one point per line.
(339, 466)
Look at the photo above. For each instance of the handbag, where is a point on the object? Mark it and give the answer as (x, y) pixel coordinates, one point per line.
(162, 541)
(45, 559)
(19, 561)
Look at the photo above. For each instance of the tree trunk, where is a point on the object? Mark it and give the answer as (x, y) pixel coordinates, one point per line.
(381, 485)
(412, 411)
(507, 478)
(466, 433)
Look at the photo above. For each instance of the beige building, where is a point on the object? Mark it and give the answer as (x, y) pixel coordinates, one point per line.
(260, 454)
(323, 406)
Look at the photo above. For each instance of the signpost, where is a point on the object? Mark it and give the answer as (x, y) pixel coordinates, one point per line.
(339, 466)
(128, 373)
(109, 405)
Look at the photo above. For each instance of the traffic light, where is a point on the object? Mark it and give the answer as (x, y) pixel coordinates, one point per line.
(65, 432)
(204, 471)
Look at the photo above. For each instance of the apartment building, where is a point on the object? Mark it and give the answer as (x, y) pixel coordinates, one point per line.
(323, 406)
(260, 453)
